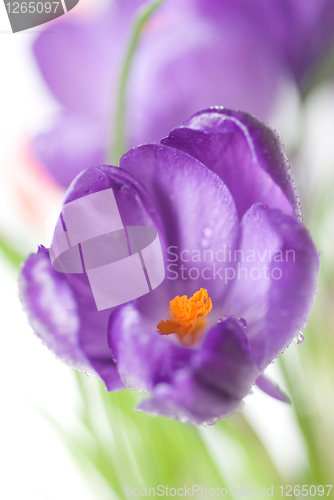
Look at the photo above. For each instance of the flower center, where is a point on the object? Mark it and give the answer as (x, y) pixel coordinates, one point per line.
(188, 317)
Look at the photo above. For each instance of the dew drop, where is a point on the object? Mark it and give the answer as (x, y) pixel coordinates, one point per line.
(204, 243)
(210, 422)
(299, 339)
(208, 232)
(243, 321)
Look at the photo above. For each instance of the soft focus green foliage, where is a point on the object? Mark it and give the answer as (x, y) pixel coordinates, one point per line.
(308, 370)
(133, 448)
(10, 253)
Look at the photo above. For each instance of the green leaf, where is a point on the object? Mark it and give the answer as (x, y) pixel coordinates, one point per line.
(10, 253)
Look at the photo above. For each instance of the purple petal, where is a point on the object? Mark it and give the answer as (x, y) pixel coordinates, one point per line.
(246, 154)
(143, 357)
(72, 58)
(93, 341)
(219, 375)
(186, 62)
(130, 6)
(134, 202)
(276, 297)
(188, 401)
(196, 208)
(76, 331)
(250, 281)
(136, 208)
(291, 297)
(298, 33)
(75, 336)
(51, 308)
(79, 61)
(303, 32)
(272, 389)
(75, 142)
(223, 361)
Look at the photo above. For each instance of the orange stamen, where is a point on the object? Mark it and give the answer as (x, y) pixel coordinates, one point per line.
(187, 314)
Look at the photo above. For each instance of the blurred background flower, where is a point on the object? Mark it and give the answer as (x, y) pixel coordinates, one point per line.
(275, 60)
(191, 55)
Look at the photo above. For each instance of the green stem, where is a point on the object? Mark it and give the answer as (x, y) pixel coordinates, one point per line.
(141, 19)
(11, 254)
(305, 420)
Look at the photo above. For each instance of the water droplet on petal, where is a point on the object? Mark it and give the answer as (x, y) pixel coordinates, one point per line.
(299, 338)
(208, 232)
(243, 321)
(212, 421)
(204, 243)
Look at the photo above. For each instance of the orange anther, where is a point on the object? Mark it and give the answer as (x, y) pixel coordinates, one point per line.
(185, 313)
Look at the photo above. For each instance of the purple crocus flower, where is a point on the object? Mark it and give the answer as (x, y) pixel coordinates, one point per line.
(241, 271)
(301, 32)
(192, 54)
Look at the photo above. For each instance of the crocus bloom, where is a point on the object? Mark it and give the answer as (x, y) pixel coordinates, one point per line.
(192, 54)
(301, 32)
(241, 271)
